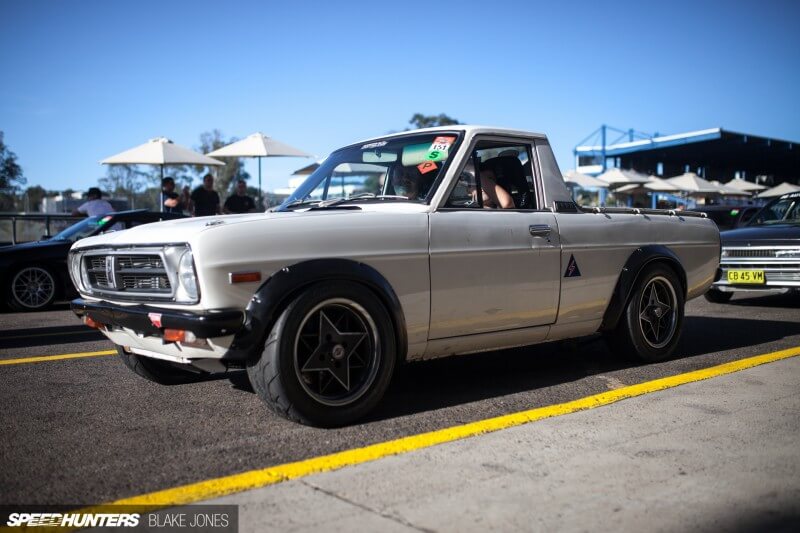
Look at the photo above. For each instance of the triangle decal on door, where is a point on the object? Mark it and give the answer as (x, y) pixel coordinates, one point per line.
(572, 268)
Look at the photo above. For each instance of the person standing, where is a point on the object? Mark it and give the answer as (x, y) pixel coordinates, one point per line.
(239, 202)
(205, 198)
(186, 200)
(170, 198)
(94, 205)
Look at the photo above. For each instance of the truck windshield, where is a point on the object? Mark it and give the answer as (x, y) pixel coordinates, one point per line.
(402, 168)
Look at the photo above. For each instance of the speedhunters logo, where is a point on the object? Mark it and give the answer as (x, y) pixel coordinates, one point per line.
(206, 518)
(70, 520)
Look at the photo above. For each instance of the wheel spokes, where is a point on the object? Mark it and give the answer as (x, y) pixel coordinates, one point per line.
(656, 312)
(33, 287)
(333, 353)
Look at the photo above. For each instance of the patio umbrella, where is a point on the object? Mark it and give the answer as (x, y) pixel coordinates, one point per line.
(258, 145)
(659, 185)
(582, 180)
(726, 190)
(744, 185)
(617, 177)
(779, 190)
(306, 170)
(693, 184)
(161, 152)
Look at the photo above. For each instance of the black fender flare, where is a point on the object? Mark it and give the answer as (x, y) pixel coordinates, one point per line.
(280, 289)
(628, 277)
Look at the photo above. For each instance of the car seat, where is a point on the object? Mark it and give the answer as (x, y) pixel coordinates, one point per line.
(511, 176)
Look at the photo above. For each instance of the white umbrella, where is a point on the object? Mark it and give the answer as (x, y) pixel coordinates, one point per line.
(654, 185)
(160, 151)
(779, 190)
(693, 184)
(258, 145)
(620, 176)
(744, 185)
(726, 190)
(582, 180)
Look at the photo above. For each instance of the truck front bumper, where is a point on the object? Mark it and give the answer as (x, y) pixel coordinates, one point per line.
(202, 339)
(152, 321)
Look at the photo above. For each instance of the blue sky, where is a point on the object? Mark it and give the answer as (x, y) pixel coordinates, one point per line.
(82, 80)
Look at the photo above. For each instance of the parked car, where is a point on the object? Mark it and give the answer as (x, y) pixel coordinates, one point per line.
(728, 216)
(393, 250)
(34, 274)
(764, 255)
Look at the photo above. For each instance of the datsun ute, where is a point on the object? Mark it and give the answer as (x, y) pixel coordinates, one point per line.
(416, 245)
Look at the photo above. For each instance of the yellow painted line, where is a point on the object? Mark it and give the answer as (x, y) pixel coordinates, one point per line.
(214, 488)
(45, 358)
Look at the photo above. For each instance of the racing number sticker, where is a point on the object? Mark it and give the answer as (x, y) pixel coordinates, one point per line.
(439, 148)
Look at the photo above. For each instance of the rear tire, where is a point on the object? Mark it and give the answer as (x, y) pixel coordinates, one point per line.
(718, 297)
(329, 357)
(650, 327)
(157, 371)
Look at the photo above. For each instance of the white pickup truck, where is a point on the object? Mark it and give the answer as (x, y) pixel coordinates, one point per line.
(416, 245)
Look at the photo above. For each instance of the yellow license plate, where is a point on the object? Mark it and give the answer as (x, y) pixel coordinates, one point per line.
(751, 277)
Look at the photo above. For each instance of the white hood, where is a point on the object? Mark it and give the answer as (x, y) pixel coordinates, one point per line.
(186, 229)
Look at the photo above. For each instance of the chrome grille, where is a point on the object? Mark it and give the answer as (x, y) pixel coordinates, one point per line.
(128, 273)
(780, 267)
(751, 253)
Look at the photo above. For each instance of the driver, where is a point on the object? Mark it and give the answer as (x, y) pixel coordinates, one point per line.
(409, 182)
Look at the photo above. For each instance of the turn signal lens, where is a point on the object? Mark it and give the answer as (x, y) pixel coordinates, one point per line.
(244, 277)
(174, 335)
(89, 321)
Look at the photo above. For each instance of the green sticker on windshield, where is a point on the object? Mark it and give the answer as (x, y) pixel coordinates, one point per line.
(104, 220)
(439, 148)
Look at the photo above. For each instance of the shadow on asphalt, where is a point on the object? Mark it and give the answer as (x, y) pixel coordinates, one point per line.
(451, 381)
(703, 334)
(58, 306)
(28, 337)
(786, 301)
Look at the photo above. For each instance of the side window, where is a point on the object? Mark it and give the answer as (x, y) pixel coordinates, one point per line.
(497, 175)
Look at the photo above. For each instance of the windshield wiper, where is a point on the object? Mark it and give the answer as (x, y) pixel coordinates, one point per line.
(357, 197)
(299, 202)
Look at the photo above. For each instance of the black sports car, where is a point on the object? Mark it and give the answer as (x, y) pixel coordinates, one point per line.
(34, 274)
(763, 255)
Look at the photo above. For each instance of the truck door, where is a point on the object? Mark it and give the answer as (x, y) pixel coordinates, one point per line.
(493, 269)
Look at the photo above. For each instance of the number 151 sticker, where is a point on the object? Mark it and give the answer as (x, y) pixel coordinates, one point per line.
(441, 144)
(439, 148)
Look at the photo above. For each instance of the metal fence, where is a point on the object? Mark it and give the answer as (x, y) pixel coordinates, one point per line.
(24, 227)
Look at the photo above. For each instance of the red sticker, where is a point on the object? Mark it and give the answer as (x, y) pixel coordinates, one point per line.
(155, 319)
(426, 167)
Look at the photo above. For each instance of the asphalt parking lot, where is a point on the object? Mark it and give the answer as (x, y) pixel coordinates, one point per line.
(85, 430)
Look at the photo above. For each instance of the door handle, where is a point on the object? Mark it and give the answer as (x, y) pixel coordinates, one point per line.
(540, 230)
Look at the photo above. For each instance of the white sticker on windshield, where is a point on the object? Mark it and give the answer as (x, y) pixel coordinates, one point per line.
(377, 144)
(441, 144)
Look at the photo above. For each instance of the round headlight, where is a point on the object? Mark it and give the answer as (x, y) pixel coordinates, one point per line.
(186, 275)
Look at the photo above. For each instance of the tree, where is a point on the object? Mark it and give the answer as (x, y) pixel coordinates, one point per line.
(234, 166)
(31, 200)
(127, 181)
(418, 120)
(11, 177)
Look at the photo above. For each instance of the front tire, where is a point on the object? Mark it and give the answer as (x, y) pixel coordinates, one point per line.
(651, 325)
(31, 288)
(718, 297)
(329, 358)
